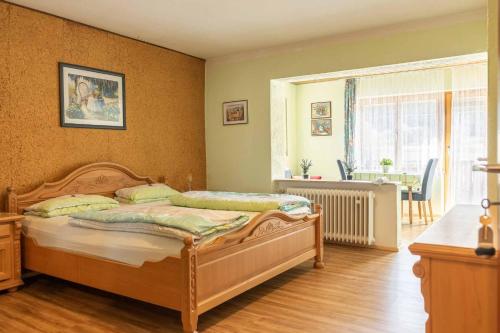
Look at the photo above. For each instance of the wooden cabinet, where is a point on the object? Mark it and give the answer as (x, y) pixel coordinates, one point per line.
(10, 251)
(459, 288)
(5, 260)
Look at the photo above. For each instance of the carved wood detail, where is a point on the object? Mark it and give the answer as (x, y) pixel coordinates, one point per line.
(267, 227)
(262, 225)
(421, 269)
(17, 250)
(102, 178)
(189, 298)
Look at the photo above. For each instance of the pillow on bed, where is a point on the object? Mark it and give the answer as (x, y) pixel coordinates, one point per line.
(145, 193)
(69, 204)
(140, 201)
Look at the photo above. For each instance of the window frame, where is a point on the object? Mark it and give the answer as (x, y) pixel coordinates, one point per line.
(398, 100)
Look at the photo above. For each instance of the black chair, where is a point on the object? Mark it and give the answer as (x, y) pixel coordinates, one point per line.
(425, 193)
(342, 169)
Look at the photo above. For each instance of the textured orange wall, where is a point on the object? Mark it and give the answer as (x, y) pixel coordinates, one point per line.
(164, 104)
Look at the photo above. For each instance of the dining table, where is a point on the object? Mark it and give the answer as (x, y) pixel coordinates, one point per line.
(409, 181)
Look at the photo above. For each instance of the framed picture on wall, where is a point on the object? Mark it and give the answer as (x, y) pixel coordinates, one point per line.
(321, 127)
(91, 98)
(235, 112)
(321, 110)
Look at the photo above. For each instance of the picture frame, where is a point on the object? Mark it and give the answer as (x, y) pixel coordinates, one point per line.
(235, 112)
(91, 97)
(321, 127)
(321, 110)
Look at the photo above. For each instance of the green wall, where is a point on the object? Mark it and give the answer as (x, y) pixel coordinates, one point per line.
(324, 151)
(238, 157)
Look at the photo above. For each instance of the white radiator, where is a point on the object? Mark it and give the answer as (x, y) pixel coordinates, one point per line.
(347, 214)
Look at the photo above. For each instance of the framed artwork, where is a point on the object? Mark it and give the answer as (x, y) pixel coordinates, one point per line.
(91, 98)
(321, 127)
(321, 110)
(235, 112)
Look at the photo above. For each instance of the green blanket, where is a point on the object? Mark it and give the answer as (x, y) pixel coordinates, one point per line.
(196, 225)
(251, 202)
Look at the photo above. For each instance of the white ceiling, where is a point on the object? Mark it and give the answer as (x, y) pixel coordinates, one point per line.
(211, 28)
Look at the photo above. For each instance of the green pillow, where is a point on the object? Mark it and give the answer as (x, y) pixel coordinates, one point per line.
(130, 202)
(143, 193)
(69, 204)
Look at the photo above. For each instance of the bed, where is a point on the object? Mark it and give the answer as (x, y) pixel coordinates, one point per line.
(196, 280)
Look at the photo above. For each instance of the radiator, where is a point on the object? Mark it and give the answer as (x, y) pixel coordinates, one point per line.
(347, 214)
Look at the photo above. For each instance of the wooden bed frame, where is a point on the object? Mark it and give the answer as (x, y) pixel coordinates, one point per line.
(202, 278)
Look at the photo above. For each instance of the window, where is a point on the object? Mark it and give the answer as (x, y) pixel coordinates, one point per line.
(468, 143)
(407, 129)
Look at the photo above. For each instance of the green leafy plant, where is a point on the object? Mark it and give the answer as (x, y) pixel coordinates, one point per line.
(386, 162)
(305, 165)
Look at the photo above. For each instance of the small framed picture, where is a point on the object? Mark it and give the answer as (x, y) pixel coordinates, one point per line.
(235, 112)
(321, 127)
(91, 98)
(321, 110)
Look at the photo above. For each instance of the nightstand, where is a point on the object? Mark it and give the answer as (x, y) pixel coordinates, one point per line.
(10, 251)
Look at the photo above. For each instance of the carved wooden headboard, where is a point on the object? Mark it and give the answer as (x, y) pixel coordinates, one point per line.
(102, 178)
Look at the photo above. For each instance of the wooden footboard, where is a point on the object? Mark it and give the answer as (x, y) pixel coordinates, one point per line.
(157, 283)
(270, 244)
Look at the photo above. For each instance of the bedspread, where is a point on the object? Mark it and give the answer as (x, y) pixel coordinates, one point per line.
(253, 202)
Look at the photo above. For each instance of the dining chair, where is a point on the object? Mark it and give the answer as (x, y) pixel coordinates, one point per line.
(425, 194)
(342, 169)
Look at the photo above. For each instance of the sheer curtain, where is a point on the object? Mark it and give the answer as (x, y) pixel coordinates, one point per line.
(421, 130)
(376, 131)
(399, 116)
(469, 132)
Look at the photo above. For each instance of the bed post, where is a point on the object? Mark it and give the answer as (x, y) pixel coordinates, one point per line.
(318, 260)
(11, 200)
(189, 302)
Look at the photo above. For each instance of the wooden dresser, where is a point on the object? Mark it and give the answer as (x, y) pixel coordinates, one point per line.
(10, 251)
(459, 288)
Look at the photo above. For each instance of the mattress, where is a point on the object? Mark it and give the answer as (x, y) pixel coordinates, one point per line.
(125, 247)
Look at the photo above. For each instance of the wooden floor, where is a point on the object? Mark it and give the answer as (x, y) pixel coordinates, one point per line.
(410, 232)
(360, 290)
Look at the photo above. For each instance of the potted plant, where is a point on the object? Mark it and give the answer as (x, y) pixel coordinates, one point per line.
(386, 163)
(350, 167)
(305, 165)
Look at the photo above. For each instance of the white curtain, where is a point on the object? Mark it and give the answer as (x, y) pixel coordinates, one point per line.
(400, 116)
(469, 132)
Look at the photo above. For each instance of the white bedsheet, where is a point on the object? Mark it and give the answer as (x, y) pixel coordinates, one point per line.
(130, 248)
(125, 247)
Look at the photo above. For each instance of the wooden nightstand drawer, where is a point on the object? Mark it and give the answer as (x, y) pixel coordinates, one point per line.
(5, 230)
(10, 251)
(5, 260)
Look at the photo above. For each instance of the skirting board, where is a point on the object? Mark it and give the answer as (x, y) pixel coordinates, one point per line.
(376, 247)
